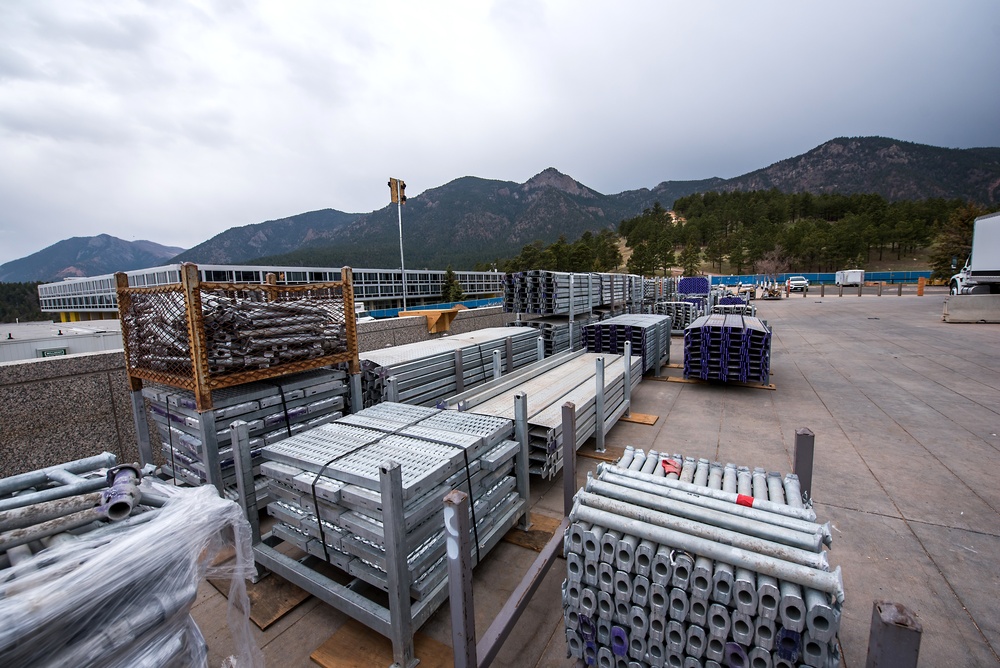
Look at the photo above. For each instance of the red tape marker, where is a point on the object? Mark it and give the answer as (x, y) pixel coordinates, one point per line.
(670, 466)
(744, 500)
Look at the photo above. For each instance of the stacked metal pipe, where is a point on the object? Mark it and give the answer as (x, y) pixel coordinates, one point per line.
(240, 333)
(681, 314)
(682, 562)
(649, 336)
(273, 409)
(328, 502)
(100, 569)
(427, 371)
(728, 347)
(548, 385)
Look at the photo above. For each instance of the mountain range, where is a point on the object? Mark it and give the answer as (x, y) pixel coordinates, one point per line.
(473, 220)
(86, 256)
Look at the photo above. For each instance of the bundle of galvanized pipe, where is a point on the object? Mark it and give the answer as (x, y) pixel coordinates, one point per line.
(274, 409)
(101, 569)
(547, 385)
(681, 314)
(648, 334)
(240, 334)
(328, 499)
(678, 562)
(427, 371)
(728, 347)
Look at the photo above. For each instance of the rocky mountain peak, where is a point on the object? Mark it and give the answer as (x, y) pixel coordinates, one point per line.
(553, 178)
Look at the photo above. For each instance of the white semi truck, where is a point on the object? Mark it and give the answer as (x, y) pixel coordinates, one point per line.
(981, 273)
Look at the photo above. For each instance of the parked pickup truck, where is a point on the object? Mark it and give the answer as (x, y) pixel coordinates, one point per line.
(981, 273)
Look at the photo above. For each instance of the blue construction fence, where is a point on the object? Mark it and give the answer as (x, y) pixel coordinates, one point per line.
(469, 303)
(827, 278)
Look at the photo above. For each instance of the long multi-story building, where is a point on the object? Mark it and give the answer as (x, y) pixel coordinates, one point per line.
(95, 298)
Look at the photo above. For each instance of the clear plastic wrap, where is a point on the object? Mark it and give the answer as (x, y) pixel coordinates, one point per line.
(121, 594)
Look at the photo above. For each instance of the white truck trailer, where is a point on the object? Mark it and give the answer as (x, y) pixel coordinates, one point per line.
(981, 273)
(851, 277)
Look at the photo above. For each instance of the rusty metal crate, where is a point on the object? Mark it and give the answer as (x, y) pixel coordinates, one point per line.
(204, 336)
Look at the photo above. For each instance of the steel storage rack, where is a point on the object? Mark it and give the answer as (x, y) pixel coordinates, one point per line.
(204, 336)
(599, 386)
(425, 372)
(364, 495)
(273, 409)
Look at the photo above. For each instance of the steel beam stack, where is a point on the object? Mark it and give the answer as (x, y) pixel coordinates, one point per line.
(728, 348)
(101, 568)
(734, 304)
(548, 385)
(555, 332)
(681, 314)
(428, 371)
(550, 292)
(677, 562)
(328, 498)
(274, 409)
(648, 334)
(657, 289)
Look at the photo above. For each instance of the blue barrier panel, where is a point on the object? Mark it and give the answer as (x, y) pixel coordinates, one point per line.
(470, 303)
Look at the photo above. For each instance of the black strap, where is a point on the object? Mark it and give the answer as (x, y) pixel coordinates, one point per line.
(284, 408)
(170, 442)
(472, 502)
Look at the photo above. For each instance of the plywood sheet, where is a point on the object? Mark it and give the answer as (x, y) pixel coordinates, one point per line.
(354, 645)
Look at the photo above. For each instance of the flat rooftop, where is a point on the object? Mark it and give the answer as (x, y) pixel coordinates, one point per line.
(906, 416)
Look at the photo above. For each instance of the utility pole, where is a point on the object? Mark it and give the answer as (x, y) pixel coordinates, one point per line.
(397, 194)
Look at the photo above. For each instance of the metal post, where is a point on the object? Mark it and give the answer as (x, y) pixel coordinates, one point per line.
(894, 641)
(402, 265)
(210, 450)
(392, 389)
(521, 436)
(540, 349)
(822, 290)
(599, 400)
(899, 289)
(141, 427)
(571, 312)
(628, 377)
(457, 527)
(357, 400)
(243, 463)
(879, 293)
(569, 456)
(459, 375)
(508, 348)
(497, 368)
(805, 441)
(397, 573)
(840, 290)
(860, 285)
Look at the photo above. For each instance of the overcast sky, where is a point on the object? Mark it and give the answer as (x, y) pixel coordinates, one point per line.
(173, 121)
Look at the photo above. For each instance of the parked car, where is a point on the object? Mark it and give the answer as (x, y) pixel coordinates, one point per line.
(797, 283)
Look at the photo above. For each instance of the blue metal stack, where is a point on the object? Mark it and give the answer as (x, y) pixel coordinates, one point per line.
(728, 348)
(648, 334)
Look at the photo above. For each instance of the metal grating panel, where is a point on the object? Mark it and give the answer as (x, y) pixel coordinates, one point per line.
(491, 428)
(398, 412)
(422, 464)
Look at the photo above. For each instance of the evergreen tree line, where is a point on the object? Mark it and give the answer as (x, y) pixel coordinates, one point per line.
(591, 252)
(19, 301)
(768, 231)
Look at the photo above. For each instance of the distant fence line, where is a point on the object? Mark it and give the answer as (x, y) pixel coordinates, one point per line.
(830, 277)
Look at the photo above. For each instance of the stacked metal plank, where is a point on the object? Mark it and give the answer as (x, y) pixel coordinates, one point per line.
(100, 569)
(681, 314)
(648, 334)
(548, 385)
(328, 502)
(727, 348)
(427, 371)
(672, 561)
(555, 332)
(274, 409)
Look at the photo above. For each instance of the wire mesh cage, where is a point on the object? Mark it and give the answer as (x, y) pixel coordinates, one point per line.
(203, 336)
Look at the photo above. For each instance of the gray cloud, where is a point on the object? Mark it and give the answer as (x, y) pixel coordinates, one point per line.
(173, 121)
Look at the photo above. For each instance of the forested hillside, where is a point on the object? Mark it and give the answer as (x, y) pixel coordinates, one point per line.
(19, 302)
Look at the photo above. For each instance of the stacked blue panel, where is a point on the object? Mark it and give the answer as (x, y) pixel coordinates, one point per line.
(728, 348)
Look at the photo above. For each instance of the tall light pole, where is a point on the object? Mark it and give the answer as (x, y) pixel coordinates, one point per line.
(397, 194)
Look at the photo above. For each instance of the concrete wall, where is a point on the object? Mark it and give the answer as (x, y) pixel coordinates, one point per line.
(58, 409)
